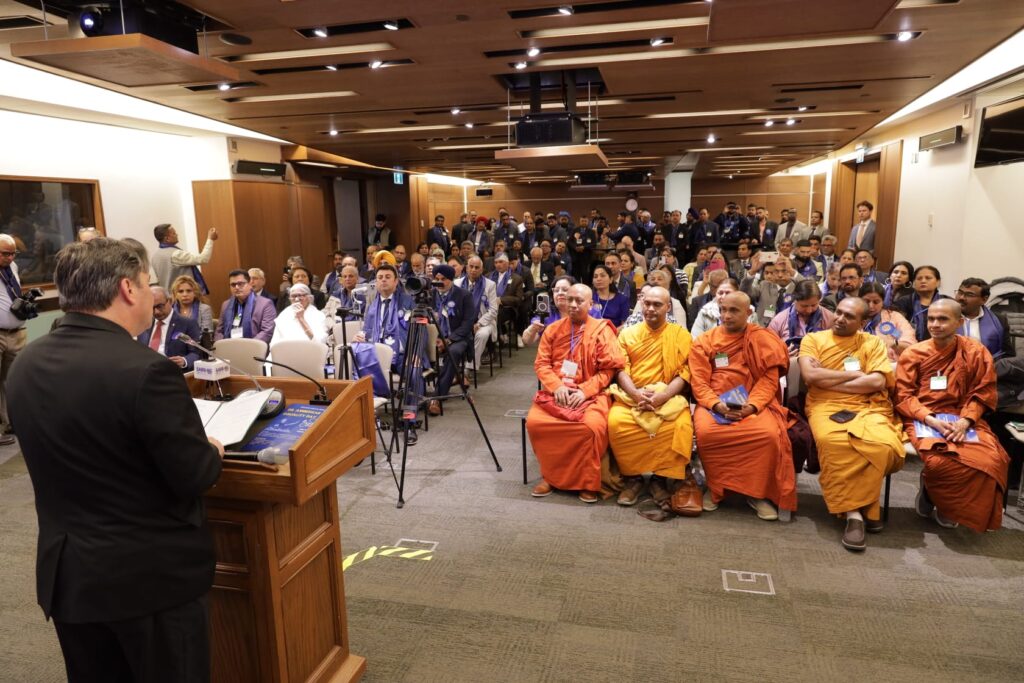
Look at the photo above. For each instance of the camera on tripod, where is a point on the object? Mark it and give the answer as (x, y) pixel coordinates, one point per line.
(25, 307)
(420, 287)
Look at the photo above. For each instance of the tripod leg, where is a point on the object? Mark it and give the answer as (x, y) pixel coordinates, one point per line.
(483, 432)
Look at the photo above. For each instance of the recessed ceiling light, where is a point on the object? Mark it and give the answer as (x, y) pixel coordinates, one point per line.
(790, 122)
(391, 25)
(455, 110)
(295, 96)
(904, 36)
(711, 138)
(533, 52)
(332, 132)
(320, 32)
(520, 65)
(224, 86)
(565, 10)
(469, 124)
(376, 64)
(798, 130)
(655, 42)
(331, 67)
(801, 108)
(769, 123)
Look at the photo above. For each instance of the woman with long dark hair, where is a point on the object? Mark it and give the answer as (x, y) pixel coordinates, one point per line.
(613, 305)
(914, 307)
(890, 326)
(898, 284)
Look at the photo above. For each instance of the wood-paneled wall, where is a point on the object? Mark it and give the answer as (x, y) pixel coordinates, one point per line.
(260, 225)
(775, 193)
(878, 175)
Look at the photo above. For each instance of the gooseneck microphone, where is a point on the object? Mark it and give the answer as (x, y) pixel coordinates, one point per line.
(319, 399)
(189, 341)
(271, 455)
(275, 403)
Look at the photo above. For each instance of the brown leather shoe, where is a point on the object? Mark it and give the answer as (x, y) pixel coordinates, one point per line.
(434, 407)
(853, 539)
(588, 496)
(630, 494)
(542, 489)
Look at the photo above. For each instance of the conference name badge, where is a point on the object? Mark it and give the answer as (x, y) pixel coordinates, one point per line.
(851, 364)
(721, 360)
(938, 382)
(569, 368)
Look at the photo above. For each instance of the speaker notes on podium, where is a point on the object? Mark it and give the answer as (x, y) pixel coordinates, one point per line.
(229, 421)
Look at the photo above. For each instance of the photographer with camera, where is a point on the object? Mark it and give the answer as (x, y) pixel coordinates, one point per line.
(15, 308)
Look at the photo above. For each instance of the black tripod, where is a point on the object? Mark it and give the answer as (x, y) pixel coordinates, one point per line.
(406, 401)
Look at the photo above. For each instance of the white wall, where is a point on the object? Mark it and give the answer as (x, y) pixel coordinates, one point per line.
(952, 215)
(145, 177)
(677, 192)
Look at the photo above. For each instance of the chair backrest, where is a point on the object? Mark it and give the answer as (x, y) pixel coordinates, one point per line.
(240, 353)
(384, 356)
(794, 380)
(305, 355)
(352, 328)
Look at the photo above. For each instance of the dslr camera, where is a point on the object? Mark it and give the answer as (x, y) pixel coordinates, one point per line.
(25, 307)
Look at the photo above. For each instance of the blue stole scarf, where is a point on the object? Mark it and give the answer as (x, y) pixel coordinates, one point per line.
(366, 364)
(812, 325)
(196, 275)
(444, 308)
(329, 283)
(872, 325)
(919, 316)
(193, 310)
(990, 330)
(391, 327)
(887, 299)
(478, 293)
(808, 269)
(247, 309)
(501, 282)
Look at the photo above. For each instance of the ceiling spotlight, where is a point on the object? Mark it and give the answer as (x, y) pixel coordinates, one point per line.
(224, 86)
(904, 36)
(790, 122)
(469, 124)
(91, 21)
(565, 10)
(391, 25)
(332, 132)
(769, 123)
(520, 65)
(376, 64)
(729, 176)
(801, 108)
(331, 67)
(455, 110)
(320, 32)
(533, 52)
(655, 42)
(711, 139)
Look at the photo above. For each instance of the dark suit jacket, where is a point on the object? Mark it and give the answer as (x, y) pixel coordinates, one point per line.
(119, 463)
(440, 237)
(547, 274)
(514, 289)
(462, 316)
(172, 347)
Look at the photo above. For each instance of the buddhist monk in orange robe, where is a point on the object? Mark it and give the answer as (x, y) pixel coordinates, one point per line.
(576, 361)
(859, 440)
(963, 480)
(751, 455)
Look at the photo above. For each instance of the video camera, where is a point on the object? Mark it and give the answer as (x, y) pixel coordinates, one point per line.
(25, 307)
(420, 287)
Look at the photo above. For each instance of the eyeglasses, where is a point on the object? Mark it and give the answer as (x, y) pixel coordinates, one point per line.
(243, 283)
(959, 292)
(9, 253)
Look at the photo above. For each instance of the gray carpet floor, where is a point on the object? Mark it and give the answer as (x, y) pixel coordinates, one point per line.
(523, 589)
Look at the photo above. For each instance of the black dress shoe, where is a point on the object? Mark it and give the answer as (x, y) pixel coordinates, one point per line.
(873, 526)
(853, 539)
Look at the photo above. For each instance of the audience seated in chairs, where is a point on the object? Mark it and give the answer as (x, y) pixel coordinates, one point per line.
(456, 316)
(245, 315)
(300, 320)
(485, 299)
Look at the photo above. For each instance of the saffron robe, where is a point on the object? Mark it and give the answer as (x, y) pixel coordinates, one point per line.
(857, 455)
(753, 456)
(653, 356)
(965, 481)
(569, 453)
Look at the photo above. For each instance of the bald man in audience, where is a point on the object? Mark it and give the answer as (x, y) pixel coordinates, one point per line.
(943, 388)
(568, 424)
(859, 440)
(649, 425)
(676, 312)
(741, 426)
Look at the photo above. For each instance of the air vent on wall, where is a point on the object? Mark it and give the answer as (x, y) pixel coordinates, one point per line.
(262, 168)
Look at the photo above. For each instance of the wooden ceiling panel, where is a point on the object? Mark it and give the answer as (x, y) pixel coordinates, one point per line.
(758, 20)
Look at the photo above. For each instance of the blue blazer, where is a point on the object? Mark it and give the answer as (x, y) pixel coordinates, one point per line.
(172, 347)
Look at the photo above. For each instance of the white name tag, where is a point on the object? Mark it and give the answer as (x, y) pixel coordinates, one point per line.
(237, 333)
(938, 383)
(569, 368)
(721, 360)
(851, 364)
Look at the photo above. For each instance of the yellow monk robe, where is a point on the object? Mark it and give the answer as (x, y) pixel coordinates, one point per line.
(653, 356)
(570, 453)
(855, 456)
(752, 457)
(966, 480)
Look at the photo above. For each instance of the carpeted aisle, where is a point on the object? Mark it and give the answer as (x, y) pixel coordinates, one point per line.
(520, 589)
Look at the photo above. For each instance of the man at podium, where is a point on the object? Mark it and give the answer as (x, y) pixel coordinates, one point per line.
(119, 462)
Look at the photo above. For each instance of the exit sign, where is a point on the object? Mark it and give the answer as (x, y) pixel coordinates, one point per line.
(399, 178)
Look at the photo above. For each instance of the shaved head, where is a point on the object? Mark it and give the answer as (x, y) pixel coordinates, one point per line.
(580, 298)
(656, 305)
(951, 305)
(734, 309)
(944, 318)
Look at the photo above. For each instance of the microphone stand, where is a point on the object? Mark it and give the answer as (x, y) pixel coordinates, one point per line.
(345, 312)
(319, 399)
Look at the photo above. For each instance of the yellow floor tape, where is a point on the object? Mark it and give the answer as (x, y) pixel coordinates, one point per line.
(386, 551)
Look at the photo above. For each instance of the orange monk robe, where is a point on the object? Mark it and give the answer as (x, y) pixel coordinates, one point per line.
(570, 453)
(857, 455)
(966, 480)
(752, 457)
(652, 356)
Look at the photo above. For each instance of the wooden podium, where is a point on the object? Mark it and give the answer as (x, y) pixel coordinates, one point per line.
(277, 608)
